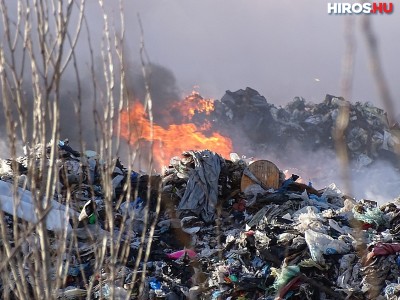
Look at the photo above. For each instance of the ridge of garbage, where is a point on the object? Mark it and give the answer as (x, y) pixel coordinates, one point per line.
(308, 126)
(214, 237)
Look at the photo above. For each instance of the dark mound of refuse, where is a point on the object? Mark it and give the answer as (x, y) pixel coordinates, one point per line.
(246, 115)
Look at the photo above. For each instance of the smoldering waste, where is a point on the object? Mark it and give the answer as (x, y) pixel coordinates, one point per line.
(224, 228)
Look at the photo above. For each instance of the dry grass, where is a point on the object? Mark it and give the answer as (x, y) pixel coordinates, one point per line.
(39, 46)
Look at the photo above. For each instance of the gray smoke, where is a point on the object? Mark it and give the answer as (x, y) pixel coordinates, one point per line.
(377, 182)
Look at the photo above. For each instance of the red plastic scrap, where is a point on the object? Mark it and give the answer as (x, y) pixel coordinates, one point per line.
(240, 206)
(366, 226)
(178, 254)
(383, 249)
(250, 233)
(292, 285)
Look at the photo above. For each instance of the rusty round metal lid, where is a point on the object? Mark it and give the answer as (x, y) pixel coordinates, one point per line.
(265, 171)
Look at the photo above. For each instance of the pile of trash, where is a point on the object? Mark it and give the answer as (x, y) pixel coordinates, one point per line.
(206, 228)
(305, 125)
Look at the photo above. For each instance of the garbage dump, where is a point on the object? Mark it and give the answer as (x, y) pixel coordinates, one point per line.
(214, 227)
(305, 125)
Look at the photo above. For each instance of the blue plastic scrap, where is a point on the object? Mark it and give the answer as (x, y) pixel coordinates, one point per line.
(154, 284)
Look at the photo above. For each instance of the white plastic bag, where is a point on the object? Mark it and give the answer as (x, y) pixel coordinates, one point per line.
(320, 244)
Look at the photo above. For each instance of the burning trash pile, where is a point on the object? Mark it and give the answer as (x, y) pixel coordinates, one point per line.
(183, 125)
(245, 121)
(208, 227)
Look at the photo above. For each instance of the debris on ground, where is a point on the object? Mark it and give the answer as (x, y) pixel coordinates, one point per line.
(219, 228)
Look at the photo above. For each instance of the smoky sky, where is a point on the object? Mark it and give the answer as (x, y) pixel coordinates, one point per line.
(281, 48)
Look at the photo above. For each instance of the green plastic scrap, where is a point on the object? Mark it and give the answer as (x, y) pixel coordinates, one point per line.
(92, 219)
(233, 278)
(284, 276)
(370, 216)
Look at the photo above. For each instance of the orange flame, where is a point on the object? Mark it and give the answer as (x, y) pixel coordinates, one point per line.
(194, 103)
(170, 141)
